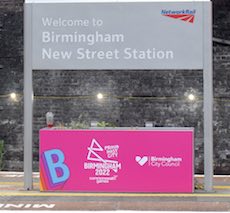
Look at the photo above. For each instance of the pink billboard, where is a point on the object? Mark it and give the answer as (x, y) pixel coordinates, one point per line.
(116, 160)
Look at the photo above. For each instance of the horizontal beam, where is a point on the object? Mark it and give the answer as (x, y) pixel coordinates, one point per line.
(221, 41)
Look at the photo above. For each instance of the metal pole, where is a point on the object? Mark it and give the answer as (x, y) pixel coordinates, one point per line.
(208, 97)
(28, 98)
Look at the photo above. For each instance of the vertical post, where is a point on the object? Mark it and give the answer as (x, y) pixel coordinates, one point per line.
(28, 98)
(208, 96)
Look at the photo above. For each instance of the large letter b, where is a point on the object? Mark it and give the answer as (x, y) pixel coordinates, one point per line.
(59, 171)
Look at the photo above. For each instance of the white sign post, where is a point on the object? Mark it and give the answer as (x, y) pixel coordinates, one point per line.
(124, 35)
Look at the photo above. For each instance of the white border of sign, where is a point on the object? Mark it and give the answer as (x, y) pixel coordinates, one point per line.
(207, 81)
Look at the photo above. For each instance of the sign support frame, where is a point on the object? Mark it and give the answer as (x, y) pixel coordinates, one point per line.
(28, 98)
(208, 97)
(207, 104)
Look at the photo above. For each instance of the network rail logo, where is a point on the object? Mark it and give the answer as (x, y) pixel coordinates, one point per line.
(183, 15)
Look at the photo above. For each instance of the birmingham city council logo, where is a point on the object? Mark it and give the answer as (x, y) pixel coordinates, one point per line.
(159, 161)
(141, 160)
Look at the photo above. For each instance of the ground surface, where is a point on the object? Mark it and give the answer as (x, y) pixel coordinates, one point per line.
(14, 197)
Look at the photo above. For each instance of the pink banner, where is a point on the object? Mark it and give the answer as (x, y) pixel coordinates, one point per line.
(116, 160)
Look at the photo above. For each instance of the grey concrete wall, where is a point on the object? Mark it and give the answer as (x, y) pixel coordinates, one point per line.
(132, 97)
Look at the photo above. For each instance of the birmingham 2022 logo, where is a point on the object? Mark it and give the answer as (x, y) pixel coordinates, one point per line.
(186, 15)
(103, 162)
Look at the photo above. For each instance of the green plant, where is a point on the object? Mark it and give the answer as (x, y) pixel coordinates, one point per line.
(198, 185)
(78, 124)
(2, 152)
(105, 124)
(60, 125)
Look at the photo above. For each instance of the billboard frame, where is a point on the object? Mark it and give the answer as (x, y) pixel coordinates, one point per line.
(207, 96)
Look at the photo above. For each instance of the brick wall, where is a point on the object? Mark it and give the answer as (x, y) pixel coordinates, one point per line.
(222, 88)
(11, 80)
(158, 96)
